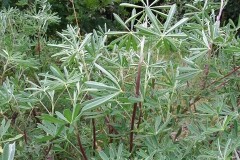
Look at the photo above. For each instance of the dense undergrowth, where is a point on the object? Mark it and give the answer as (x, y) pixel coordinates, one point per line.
(160, 88)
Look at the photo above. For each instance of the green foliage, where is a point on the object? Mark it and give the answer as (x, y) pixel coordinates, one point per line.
(159, 86)
(8, 152)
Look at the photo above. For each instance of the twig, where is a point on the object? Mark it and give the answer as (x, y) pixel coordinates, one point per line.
(80, 144)
(75, 15)
(25, 136)
(220, 86)
(220, 11)
(34, 113)
(13, 125)
(94, 136)
(206, 72)
(132, 126)
(110, 126)
(140, 114)
(227, 75)
(137, 93)
(38, 47)
(110, 129)
(49, 149)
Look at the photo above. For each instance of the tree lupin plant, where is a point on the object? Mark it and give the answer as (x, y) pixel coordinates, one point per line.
(163, 89)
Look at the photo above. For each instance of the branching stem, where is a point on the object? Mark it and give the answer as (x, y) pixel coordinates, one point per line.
(94, 136)
(80, 144)
(137, 93)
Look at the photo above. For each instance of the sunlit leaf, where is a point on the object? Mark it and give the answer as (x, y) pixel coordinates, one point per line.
(179, 23)
(170, 17)
(98, 101)
(120, 21)
(8, 152)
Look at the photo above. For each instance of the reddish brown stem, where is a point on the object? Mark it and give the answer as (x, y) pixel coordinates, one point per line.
(220, 86)
(206, 72)
(38, 46)
(35, 115)
(110, 127)
(94, 136)
(14, 117)
(135, 105)
(80, 145)
(138, 79)
(25, 136)
(227, 75)
(153, 83)
(49, 149)
(140, 114)
(132, 126)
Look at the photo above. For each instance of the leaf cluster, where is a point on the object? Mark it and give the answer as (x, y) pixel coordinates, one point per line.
(166, 87)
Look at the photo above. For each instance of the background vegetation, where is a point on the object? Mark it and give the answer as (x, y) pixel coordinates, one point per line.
(119, 79)
(94, 13)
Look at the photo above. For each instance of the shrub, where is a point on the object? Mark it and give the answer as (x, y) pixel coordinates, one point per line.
(166, 87)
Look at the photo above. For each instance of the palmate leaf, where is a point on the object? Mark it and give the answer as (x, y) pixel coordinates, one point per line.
(98, 101)
(67, 115)
(169, 17)
(205, 40)
(75, 113)
(6, 92)
(100, 86)
(61, 116)
(12, 139)
(147, 31)
(130, 5)
(52, 129)
(72, 45)
(186, 73)
(56, 72)
(58, 80)
(98, 42)
(158, 12)
(153, 19)
(109, 75)
(103, 155)
(85, 41)
(206, 109)
(178, 24)
(52, 119)
(116, 33)
(8, 152)
(114, 153)
(128, 38)
(4, 127)
(232, 50)
(120, 21)
(133, 18)
(18, 59)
